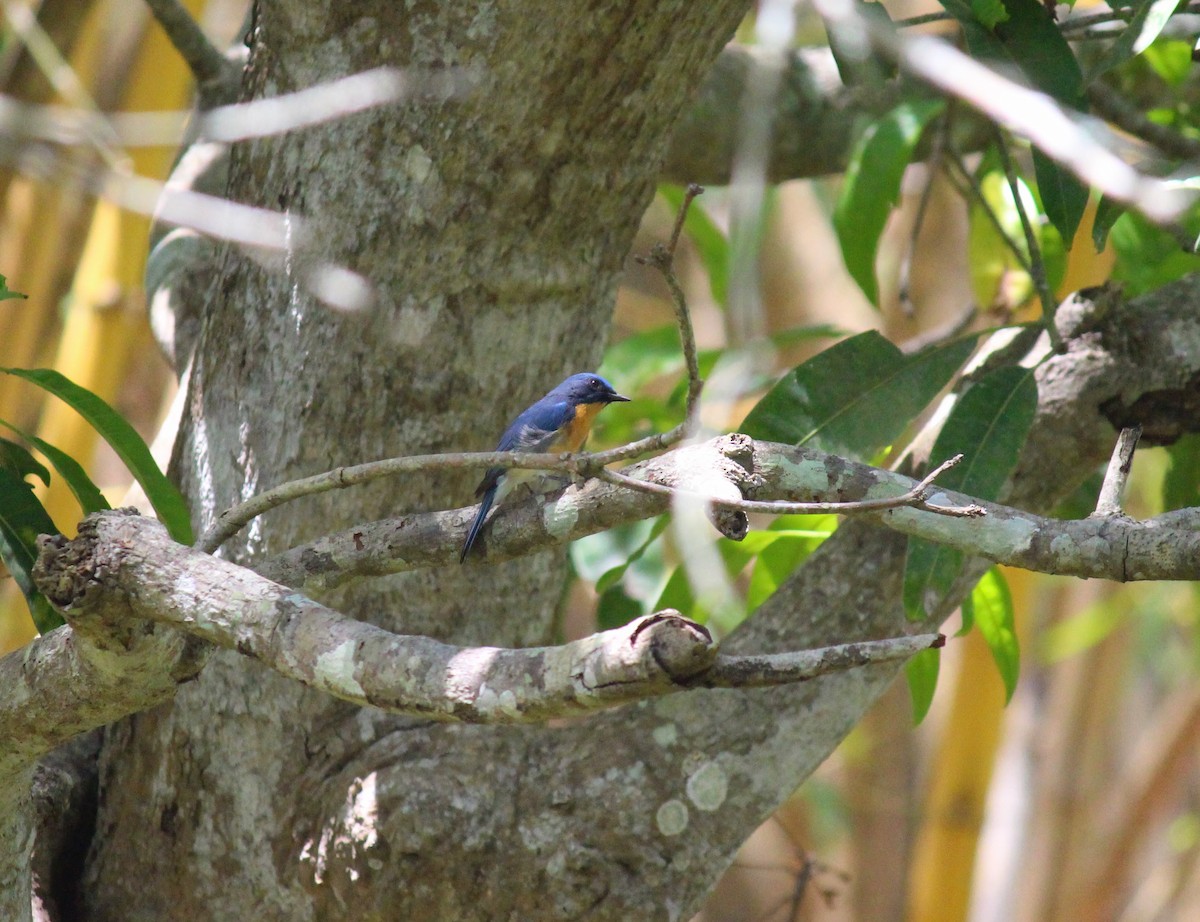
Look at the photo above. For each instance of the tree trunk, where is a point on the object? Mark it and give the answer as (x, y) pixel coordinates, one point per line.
(493, 227)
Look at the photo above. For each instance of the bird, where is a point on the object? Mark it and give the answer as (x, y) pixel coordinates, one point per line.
(560, 421)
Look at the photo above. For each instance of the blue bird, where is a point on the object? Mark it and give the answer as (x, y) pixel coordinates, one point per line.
(558, 422)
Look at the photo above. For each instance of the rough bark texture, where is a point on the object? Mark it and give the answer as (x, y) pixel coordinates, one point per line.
(494, 227)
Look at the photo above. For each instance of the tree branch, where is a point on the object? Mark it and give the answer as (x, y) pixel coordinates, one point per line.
(1109, 548)
(123, 570)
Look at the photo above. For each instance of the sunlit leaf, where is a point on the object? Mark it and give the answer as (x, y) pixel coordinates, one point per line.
(922, 674)
(779, 558)
(855, 397)
(1030, 41)
(871, 186)
(613, 576)
(988, 426)
(990, 607)
(123, 438)
(989, 12)
(1148, 20)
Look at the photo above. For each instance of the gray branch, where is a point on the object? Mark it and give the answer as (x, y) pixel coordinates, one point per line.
(1103, 547)
(123, 571)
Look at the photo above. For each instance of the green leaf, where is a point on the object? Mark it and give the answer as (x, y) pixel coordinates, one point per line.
(86, 492)
(17, 460)
(6, 293)
(22, 519)
(613, 576)
(615, 608)
(855, 397)
(988, 426)
(1107, 213)
(1181, 483)
(1063, 196)
(1029, 41)
(989, 12)
(990, 607)
(871, 186)
(1171, 60)
(922, 674)
(123, 438)
(1147, 256)
(1147, 22)
(790, 541)
(711, 242)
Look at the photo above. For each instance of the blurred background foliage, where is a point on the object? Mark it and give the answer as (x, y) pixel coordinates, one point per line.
(1080, 799)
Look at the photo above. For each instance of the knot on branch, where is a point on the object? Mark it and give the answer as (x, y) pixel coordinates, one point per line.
(66, 569)
(680, 647)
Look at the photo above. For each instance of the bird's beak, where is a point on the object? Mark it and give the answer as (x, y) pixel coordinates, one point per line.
(617, 398)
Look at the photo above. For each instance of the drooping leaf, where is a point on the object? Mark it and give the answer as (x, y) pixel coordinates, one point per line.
(871, 186)
(988, 426)
(22, 519)
(1063, 196)
(990, 607)
(17, 460)
(1107, 213)
(855, 397)
(1149, 18)
(922, 674)
(86, 492)
(1029, 41)
(168, 503)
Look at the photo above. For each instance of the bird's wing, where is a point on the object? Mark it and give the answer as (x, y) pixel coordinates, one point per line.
(538, 427)
(534, 430)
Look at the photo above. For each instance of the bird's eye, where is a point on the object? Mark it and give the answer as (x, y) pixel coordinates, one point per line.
(595, 382)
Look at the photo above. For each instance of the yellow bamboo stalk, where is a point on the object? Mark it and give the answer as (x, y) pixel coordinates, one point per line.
(960, 774)
(104, 330)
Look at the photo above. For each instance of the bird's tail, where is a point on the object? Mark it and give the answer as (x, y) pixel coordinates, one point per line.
(484, 507)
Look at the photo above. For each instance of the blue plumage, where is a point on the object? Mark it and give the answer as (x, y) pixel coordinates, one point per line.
(560, 421)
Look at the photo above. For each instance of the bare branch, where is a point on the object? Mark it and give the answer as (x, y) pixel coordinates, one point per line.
(1167, 547)
(207, 64)
(123, 570)
(1117, 475)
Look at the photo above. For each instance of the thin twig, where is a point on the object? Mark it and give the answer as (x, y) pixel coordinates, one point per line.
(207, 64)
(770, 669)
(232, 520)
(1117, 475)
(967, 187)
(662, 258)
(914, 498)
(934, 165)
(692, 190)
(1122, 113)
(1037, 266)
